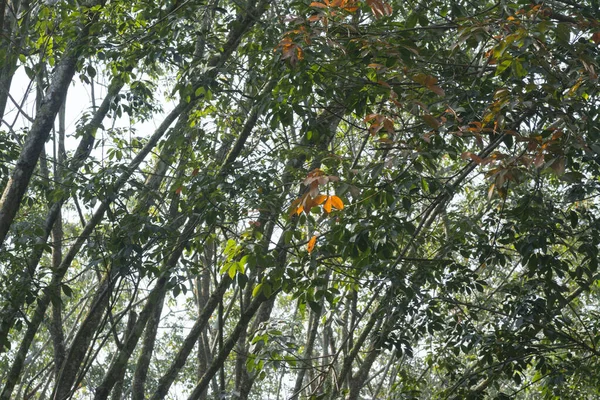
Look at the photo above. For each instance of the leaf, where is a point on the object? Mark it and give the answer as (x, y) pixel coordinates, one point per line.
(319, 199)
(67, 291)
(431, 121)
(311, 244)
(558, 166)
(388, 125)
(491, 191)
(539, 160)
(436, 89)
(232, 270)
(318, 5)
(379, 8)
(337, 203)
(327, 205)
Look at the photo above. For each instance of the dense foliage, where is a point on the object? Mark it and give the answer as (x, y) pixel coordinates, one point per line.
(352, 199)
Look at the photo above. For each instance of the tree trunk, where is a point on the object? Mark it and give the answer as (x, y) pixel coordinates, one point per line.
(37, 136)
(143, 363)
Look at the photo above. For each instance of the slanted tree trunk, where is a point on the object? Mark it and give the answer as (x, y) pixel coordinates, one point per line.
(37, 136)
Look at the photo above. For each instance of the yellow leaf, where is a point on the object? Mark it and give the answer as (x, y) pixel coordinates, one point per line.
(337, 203)
(327, 205)
(311, 244)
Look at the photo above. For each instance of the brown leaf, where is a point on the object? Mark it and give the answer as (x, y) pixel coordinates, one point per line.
(436, 89)
(388, 125)
(379, 8)
(558, 166)
(539, 160)
(431, 121)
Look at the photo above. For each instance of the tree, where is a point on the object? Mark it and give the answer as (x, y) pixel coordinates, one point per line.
(339, 199)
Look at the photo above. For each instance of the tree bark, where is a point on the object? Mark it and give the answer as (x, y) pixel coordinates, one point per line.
(37, 136)
(224, 352)
(44, 301)
(143, 363)
(81, 341)
(168, 378)
(118, 389)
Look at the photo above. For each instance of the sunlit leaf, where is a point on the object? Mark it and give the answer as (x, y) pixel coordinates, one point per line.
(319, 199)
(257, 289)
(311, 244)
(337, 203)
(327, 205)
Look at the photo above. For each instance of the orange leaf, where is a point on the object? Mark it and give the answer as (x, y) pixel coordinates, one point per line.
(311, 244)
(327, 205)
(596, 37)
(319, 199)
(294, 207)
(178, 190)
(319, 5)
(337, 203)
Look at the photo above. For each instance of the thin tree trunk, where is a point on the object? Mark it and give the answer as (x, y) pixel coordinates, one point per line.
(17, 296)
(168, 378)
(118, 389)
(225, 351)
(44, 301)
(203, 293)
(11, 39)
(56, 324)
(81, 341)
(37, 136)
(306, 363)
(143, 362)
